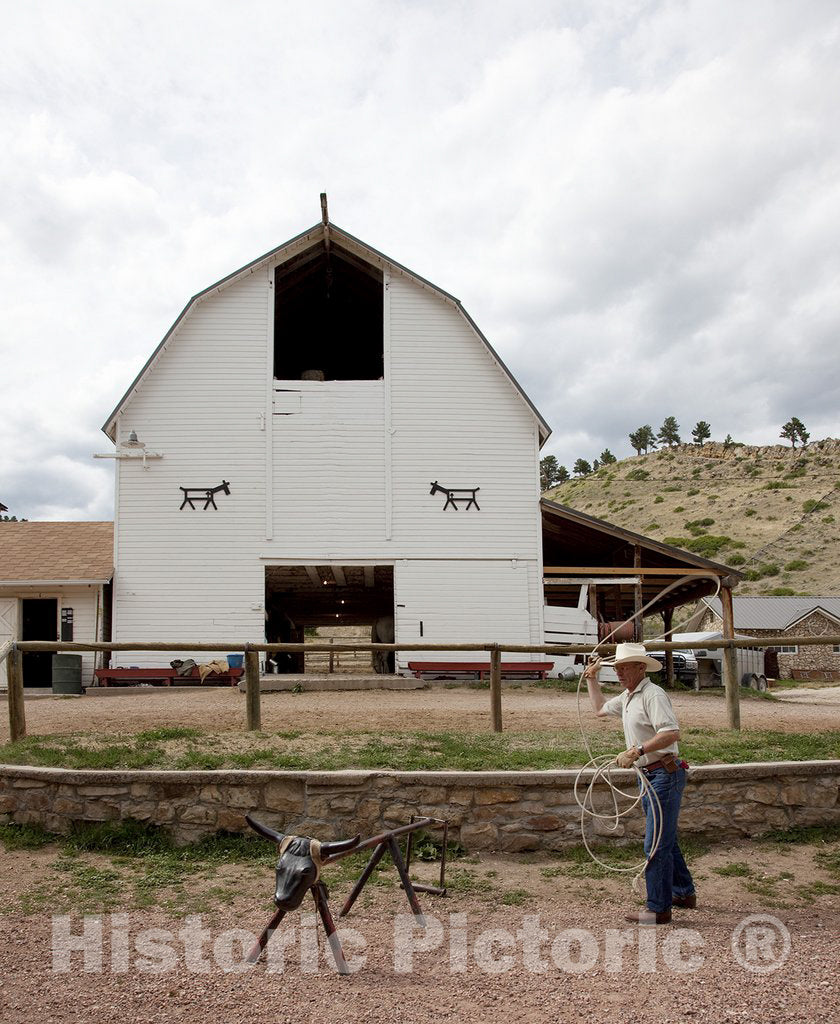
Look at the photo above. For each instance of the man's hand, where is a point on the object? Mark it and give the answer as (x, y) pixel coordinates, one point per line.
(628, 758)
(592, 670)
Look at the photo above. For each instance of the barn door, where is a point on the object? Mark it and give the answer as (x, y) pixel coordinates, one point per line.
(8, 627)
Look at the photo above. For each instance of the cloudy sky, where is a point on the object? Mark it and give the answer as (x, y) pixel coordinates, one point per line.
(637, 201)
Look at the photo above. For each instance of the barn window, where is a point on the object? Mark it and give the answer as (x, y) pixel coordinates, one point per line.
(328, 317)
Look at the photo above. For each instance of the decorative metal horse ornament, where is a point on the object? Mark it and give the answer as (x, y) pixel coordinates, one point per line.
(456, 494)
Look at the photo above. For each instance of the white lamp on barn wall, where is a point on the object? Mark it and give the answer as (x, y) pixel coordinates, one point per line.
(133, 448)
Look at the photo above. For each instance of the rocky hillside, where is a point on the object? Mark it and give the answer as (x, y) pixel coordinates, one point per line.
(773, 512)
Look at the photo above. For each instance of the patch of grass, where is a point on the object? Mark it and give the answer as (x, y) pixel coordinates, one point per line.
(658, 499)
(463, 880)
(707, 545)
(814, 505)
(514, 897)
(736, 869)
(809, 835)
(174, 732)
(66, 752)
(637, 474)
(25, 837)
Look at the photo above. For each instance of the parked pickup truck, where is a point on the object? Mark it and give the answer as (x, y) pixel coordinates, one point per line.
(685, 665)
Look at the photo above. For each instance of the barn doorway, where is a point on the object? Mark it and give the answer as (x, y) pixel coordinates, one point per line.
(38, 621)
(319, 603)
(328, 317)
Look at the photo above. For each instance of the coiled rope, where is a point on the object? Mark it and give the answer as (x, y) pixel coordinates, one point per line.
(602, 766)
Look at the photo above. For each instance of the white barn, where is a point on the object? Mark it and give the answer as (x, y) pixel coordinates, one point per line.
(329, 387)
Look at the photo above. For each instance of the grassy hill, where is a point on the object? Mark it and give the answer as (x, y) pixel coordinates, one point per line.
(772, 512)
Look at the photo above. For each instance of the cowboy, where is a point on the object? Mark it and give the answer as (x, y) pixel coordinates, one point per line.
(651, 732)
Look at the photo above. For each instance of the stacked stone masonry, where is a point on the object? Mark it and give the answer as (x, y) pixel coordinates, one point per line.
(507, 811)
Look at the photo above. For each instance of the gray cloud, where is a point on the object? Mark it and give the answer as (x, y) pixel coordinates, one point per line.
(637, 202)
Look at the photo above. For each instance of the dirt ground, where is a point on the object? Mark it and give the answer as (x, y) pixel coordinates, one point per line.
(529, 937)
(479, 965)
(437, 708)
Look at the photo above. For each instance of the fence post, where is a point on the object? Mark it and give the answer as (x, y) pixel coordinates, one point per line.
(253, 717)
(731, 681)
(17, 713)
(496, 688)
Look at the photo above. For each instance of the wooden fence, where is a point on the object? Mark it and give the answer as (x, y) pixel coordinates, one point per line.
(12, 653)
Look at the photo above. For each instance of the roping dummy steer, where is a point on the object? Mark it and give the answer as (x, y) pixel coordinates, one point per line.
(298, 870)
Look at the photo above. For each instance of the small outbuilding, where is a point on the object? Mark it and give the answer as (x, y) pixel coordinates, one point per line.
(55, 584)
(791, 616)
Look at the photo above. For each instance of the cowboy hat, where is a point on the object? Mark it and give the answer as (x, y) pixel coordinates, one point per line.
(626, 653)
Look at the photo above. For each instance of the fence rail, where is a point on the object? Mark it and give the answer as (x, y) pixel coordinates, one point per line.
(12, 653)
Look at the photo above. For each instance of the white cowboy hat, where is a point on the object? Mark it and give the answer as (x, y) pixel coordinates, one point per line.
(626, 653)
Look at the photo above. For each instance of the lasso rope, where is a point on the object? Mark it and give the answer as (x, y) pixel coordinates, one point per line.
(603, 765)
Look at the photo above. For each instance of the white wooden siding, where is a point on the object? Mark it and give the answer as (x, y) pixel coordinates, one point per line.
(460, 601)
(193, 574)
(458, 420)
(8, 626)
(329, 467)
(82, 599)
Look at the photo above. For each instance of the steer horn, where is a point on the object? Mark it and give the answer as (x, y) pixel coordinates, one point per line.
(340, 846)
(264, 830)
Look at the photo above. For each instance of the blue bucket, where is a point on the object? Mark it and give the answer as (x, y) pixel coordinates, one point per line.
(235, 660)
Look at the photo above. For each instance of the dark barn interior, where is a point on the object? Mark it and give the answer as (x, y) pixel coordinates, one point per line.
(301, 596)
(328, 317)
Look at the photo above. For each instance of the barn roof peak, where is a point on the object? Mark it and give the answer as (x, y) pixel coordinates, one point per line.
(326, 233)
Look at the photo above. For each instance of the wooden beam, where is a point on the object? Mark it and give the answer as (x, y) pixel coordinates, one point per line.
(312, 573)
(496, 688)
(338, 572)
(668, 623)
(638, 600)
(253, 718)
(600, 570)
(369, 576)
(730, 661)
(579, 581)
(17, 712)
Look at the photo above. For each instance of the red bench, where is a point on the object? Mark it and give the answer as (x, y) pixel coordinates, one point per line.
(165, 676)
(530, 668)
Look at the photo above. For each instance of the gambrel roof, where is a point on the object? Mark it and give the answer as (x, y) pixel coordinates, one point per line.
(293, 247)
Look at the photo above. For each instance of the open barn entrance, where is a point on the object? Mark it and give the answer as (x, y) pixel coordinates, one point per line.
(328, 317)
(320, 603)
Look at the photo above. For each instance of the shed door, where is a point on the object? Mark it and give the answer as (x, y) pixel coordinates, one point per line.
(8, 627)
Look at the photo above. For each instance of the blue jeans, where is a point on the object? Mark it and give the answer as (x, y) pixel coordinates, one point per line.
(666, 875)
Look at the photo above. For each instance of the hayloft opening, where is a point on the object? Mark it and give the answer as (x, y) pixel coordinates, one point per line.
(328, 317)
(353, 602)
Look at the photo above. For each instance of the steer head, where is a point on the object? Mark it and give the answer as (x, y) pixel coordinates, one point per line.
(299, 864)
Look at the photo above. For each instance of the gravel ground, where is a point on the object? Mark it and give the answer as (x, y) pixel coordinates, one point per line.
(434, 709)
(684, 972)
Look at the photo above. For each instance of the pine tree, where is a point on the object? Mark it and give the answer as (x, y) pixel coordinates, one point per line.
(607, 458)
(702, 432)
(582, 467)
(669, 432)
(548, 472)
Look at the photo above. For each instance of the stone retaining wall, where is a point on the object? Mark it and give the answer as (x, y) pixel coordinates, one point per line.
(509, 811)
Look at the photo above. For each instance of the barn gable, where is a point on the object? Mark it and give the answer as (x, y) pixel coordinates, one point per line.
(325, 259)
